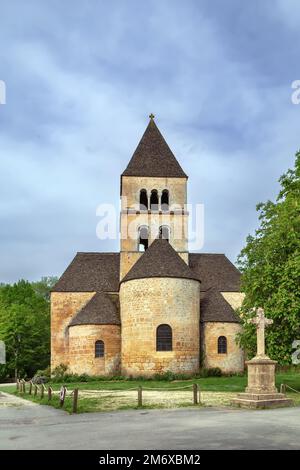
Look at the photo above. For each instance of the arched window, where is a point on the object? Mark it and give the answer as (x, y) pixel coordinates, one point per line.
(99, 348)
(154, 200)
(164, 338)
(164, 232)
(143, 238)
(143, 200)
(222, 345)
(165, 200)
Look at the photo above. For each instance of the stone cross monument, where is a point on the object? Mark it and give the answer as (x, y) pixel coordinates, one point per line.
(261, 322)
(261, 391)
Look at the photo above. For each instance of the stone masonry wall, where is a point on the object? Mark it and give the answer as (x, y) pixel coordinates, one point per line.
(130, 222)
(82, 349)
(235, 299)
(148, 303)
(64, 305)
(131, 187)
(233, 361)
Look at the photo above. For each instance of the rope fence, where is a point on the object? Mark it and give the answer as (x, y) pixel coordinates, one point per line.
(39, 390)
(283, 388)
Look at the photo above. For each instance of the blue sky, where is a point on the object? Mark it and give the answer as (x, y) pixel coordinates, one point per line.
(82, 78)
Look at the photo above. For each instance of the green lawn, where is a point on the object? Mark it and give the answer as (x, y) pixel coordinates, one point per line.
(224, 385)
(217, 384)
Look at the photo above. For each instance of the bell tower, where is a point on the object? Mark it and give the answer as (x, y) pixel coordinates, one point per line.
(153, 199)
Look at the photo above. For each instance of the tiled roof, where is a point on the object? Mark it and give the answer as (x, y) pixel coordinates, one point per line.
(102, 309)
(160, 260)
(99, 272)
(214, 308)
(91, 272)
(153, 157)
(215, 270)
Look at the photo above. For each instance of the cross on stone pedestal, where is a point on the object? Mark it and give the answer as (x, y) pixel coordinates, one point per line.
(261, 322)
(261, 391)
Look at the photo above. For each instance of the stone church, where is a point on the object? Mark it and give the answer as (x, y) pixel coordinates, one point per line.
(152, 307)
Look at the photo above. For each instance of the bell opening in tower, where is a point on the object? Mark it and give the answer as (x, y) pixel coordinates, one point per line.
(143, 238)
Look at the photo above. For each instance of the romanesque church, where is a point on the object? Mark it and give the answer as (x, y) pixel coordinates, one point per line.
(153, 307)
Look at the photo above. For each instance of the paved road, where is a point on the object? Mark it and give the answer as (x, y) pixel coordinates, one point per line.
(24, 425)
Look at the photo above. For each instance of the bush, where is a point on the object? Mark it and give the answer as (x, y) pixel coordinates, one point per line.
(59, 372)
(42, 376)
(163, 376)
(212, 372)
(44, 372)
(169, 376)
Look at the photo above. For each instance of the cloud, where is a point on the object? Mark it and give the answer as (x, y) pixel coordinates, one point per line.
(81, 80)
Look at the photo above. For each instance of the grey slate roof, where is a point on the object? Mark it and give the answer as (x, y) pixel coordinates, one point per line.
(153, 157)
(91, 272)
(102, 309)
(99, 272)
(214, 308)
(215, 270)
(160, 260)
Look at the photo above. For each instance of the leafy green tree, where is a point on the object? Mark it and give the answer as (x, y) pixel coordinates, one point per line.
(25, 329)
(44, 286)
(270, 265)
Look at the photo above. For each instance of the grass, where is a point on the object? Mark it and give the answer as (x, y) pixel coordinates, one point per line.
(223, 388)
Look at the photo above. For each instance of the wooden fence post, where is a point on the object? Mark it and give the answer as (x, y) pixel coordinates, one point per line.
(24, 386)
(283, 388)
(49, 393)
(195, 393)
(199, 390)
(42, 390)
(75, 400)
(30, 387)
(62, 395)
(35, 390)
(140, 396)
(18, 385)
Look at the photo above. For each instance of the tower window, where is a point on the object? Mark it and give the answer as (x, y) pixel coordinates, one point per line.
(154, 200)
(164, 338)
(164, 232)
(99, 348)
(165, 200)
(222, 345)
(143, 200)
(143, 238)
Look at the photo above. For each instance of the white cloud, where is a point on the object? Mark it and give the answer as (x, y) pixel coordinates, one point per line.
(82, 82)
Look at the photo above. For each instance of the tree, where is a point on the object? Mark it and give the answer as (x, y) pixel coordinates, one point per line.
(44, 286)
(25, 329)
(270, 265)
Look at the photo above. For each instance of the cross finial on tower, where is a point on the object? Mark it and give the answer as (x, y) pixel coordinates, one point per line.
(151, 116)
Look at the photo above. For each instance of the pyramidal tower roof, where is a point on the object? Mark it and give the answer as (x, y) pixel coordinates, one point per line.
(153, 157)
(160, 260)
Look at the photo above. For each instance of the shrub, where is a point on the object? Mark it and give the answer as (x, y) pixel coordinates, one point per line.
(41, 376)
(212, 372)
(59, 372)
(168, 375)
(44, 372)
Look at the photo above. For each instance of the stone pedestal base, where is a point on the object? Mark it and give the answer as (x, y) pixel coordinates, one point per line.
(263, 400)
(261, 391)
